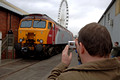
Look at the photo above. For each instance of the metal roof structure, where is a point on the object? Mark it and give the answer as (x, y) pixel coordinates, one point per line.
(110, 5)
(10, 7)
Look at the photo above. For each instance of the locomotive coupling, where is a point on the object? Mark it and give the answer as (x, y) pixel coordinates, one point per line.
(24, 49)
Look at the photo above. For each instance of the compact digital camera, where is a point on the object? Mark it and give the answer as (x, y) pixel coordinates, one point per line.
(72, 44)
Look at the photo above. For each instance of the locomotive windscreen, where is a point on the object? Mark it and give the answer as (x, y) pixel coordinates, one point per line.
(39, 24)
(26, 24)
(36, 24)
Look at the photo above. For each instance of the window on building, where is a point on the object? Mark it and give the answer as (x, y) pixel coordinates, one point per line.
(109, 17)
(117, 10)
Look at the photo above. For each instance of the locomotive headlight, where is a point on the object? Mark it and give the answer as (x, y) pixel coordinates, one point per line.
(20, 40)
(38, 40)
(41, 41)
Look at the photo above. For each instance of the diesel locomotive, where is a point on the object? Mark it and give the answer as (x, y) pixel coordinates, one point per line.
(40, 35)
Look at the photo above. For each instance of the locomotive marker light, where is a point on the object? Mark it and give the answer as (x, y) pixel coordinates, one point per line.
(20, 40)
(41, 41)
(38, 40)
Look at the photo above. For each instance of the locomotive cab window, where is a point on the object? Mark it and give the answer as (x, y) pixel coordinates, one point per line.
(49, 25)
(26, 24)
(39, 24)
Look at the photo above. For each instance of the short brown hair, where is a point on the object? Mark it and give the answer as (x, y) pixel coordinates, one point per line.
(117, 43)
(96, 39)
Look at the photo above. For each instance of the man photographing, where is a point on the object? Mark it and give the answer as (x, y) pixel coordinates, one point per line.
(93, 46)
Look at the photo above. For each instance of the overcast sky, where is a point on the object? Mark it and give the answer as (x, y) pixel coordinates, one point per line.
(81, 12)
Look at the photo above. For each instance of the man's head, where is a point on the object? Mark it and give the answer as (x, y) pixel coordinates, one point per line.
(116, 44)
(96, 40)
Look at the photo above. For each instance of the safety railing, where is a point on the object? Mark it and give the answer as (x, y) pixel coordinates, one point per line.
(5, 45)
(8, 44)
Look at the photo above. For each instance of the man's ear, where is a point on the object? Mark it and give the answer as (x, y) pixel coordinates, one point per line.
(82, 49)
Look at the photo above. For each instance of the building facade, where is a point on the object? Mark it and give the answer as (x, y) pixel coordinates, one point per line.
(111, 20)
(10, 17)
(9, 21)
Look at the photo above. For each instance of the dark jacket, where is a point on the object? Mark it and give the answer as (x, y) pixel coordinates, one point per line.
(108, 69)
(115, 52)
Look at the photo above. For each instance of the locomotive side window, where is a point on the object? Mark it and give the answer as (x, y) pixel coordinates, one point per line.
(49, 25)
(39, 24)
(26, 24)
(53, 26)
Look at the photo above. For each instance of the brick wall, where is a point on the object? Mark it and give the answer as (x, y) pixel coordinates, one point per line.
(9, 20)
(3, 23)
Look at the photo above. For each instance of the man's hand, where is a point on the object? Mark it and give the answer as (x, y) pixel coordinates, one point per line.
(66, 59)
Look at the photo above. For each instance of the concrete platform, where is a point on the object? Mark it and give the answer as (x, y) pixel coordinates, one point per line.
(38, 71)
(7, 61)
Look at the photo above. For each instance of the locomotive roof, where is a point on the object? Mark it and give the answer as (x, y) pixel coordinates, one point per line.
(37, 16)
(42, 16)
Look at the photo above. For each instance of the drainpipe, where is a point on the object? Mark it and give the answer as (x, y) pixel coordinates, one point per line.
(0, 44)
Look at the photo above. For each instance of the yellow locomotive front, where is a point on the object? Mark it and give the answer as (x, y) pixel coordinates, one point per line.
(32, 34)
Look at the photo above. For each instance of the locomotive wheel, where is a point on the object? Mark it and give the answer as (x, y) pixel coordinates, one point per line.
(17, 47)
(50, 52)
(39, 48)
(18, 53)
(18, 50)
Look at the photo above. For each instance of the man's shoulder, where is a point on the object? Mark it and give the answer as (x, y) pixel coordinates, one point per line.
(73, 73)
(100, 65)
(87, 71)
(69, 74)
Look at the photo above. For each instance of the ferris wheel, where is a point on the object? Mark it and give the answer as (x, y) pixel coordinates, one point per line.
(63, 15)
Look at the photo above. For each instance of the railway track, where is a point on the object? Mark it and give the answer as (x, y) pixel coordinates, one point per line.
(14, 67)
